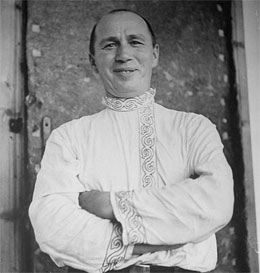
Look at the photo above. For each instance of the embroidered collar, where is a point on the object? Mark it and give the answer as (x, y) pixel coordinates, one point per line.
(125, 105)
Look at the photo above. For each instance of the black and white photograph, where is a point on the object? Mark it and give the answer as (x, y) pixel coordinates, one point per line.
(129, 136)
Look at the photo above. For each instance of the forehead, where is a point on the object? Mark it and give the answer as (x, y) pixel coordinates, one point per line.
(113, 24)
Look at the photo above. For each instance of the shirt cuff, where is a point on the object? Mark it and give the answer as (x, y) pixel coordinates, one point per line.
(116, 254)
(126, 213)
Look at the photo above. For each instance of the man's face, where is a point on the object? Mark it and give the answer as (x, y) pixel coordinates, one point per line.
(124, 54)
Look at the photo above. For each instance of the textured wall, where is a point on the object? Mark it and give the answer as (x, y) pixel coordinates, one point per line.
(194, 74)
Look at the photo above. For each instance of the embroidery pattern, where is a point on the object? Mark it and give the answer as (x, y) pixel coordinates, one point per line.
(125, 105)
(134, 220)
(115, 251)
(136, 231)
(147, 143)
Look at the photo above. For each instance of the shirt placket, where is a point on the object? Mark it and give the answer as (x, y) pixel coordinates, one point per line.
(147, 144)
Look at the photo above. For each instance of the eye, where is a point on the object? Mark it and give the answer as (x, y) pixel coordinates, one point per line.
(110, 46)
(136, 43)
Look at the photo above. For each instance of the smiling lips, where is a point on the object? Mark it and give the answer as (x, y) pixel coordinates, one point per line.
(124, 71)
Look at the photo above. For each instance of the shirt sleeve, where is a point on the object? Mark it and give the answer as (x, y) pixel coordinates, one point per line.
(187, 211)
(69, 234)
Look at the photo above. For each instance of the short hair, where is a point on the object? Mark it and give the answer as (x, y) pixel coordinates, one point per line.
(93, 32)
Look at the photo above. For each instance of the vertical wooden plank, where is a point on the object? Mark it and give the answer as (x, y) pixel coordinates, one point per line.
(11, 144)
(243, 100)
(251, 13)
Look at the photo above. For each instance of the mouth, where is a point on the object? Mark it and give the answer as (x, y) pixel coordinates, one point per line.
(124, 71)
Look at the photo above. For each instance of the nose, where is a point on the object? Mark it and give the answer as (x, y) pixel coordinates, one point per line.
(123, 53)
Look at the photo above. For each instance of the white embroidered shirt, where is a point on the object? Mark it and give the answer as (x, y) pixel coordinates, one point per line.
(169, 181)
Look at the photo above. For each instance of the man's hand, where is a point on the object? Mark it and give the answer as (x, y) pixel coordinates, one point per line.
(98, 203)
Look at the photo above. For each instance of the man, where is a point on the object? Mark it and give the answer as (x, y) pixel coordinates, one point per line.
(136, 186)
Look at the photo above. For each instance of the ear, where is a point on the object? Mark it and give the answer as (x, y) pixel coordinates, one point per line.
(93, 63)
(155, 55)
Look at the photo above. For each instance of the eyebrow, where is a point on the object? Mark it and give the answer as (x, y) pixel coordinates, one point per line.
(108, 39)
(137, 36)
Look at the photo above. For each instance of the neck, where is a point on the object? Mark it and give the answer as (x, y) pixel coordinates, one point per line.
(138, 94)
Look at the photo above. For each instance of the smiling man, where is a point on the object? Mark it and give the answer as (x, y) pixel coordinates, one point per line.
(124, 54)
(136, 187)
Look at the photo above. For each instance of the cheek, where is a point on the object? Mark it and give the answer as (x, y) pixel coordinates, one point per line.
(104, 61)
(145, 58)
(103, 70)
(148, 65)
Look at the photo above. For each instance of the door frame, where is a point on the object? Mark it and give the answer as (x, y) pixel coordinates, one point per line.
(242, 42)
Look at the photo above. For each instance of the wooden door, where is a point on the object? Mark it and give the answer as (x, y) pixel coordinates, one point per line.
(12, 213)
